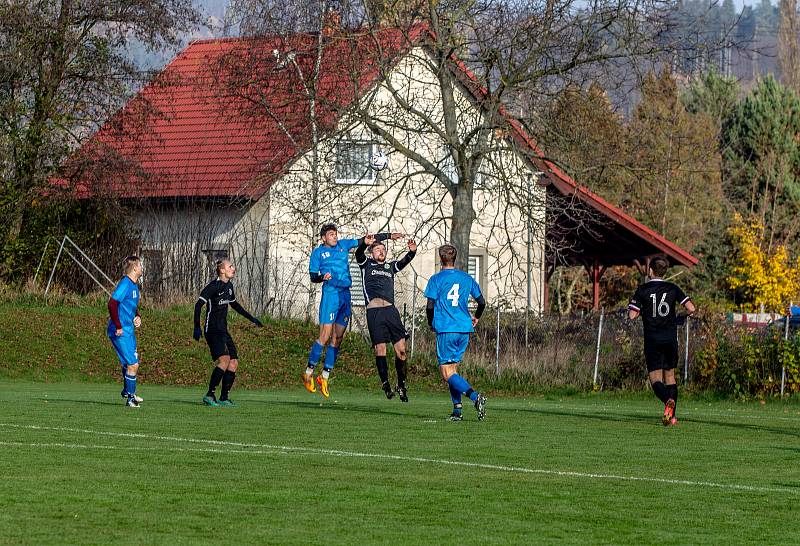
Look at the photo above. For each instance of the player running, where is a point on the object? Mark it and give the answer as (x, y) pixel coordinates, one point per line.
(383, 318)
(217, 295)
(123, 312)
(655, 301)
(448, 293)
(330, 265)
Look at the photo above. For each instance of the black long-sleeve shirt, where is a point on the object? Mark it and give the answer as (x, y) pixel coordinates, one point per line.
(218, 295)
(378, 277)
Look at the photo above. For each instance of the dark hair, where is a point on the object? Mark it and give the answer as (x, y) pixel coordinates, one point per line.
(659, 265)
(447, 254)
(129, 262)
(376, 243)
(326, 228)
(219, 263)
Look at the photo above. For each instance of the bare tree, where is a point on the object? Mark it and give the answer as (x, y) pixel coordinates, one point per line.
(63, 69)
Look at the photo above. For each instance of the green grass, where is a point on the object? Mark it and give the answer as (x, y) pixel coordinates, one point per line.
(287, 468)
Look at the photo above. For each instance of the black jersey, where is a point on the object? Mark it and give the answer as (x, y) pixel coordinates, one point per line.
(656, 301)
(377, 279)
(217, 295)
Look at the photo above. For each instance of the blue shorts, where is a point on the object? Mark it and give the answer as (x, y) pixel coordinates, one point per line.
(450, 347)
(125, 346)
(335, 307)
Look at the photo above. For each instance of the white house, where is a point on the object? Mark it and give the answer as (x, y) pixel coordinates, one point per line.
(242, 148)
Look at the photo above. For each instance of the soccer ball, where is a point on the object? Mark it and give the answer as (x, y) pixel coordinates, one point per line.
(378, 161)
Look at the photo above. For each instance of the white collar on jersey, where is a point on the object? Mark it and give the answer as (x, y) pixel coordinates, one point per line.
(656, 279)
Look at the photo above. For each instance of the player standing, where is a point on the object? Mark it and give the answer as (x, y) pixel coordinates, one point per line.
(330, 265)
(217, 295)
(383, 318)
(656, 301)
(448, 293)
(123, 319)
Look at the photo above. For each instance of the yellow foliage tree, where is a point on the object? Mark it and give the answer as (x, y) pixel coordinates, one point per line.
(763, 278)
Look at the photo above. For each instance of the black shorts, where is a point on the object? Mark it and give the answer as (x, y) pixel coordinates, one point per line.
(661, 355)
(221, 344)
(385, 325)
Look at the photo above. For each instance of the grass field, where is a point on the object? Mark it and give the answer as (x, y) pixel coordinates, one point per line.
(284, 467)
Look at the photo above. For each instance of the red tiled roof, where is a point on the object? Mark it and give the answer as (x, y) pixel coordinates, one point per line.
(200, 129)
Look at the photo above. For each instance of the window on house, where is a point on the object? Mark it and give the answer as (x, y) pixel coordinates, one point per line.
(448, 166)
(352, 162)
(357, 289)
(476, 267)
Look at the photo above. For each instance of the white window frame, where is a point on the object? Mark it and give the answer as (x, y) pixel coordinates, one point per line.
(357, 297)
(370, 177)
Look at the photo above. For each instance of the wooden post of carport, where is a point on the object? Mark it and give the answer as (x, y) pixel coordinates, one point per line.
(596, 272)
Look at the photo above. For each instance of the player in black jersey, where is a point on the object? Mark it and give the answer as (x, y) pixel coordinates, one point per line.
(217, 295)
(656, 301)
(383, 319)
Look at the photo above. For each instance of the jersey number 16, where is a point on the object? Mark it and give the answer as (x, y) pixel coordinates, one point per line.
(662, 309)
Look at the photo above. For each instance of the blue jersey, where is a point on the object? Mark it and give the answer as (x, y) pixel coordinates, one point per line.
(451, 289)
(127, 295)
(334, 260)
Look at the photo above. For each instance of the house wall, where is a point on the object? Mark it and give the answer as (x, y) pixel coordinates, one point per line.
(405, 198)
(270, 241)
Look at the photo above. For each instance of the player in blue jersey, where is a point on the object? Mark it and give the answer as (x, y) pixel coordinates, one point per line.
(448, 293)
(123, 319)
(330, 265)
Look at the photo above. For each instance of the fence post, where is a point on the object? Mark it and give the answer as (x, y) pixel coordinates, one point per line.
(686, 354)
(38, 267)
(497, 345)
(55, 264)
(413, 316)
(785, 339)
(597, 348)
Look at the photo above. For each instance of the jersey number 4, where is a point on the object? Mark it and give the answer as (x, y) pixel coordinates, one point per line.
(452, 295)
(662, 309)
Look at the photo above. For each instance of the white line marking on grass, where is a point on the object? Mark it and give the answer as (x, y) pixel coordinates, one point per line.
(272, 449)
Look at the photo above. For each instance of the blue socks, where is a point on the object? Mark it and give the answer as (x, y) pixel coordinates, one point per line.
(316, 352)
(458, 383)
(330, 357)
(130, 384)
(455, 396)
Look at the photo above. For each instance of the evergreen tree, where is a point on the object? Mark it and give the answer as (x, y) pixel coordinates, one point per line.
(675, 164)
(762, 159)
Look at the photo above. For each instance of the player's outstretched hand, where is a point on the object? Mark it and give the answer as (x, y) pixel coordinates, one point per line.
(198, 333)
(395, 235)
(257, 323)
(412, 245)
(369, 239)
(137, 321)
(327, 277)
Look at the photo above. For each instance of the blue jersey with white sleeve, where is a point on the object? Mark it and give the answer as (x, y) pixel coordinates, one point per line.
(334, 260)
(451, 289)
(127, 295)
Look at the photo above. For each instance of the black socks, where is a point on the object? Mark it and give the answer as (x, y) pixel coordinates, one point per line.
(383, 368)
(216, 377)
(661, 391)
(400, 366)
(227, 382)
